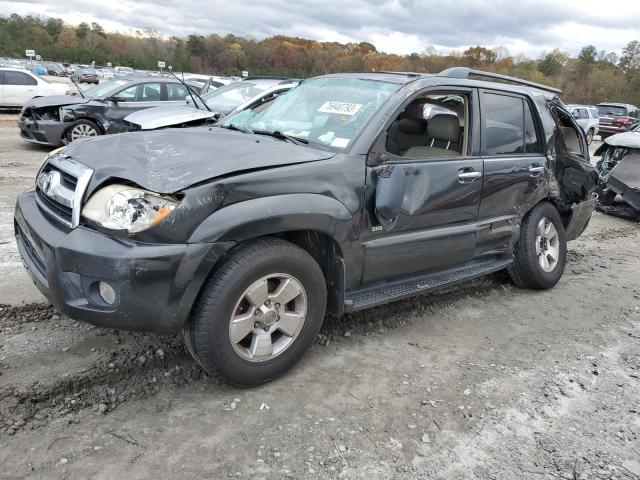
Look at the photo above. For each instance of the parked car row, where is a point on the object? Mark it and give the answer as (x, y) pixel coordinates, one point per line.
(348, 191)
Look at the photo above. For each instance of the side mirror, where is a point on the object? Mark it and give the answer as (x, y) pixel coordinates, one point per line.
(389, 195)
(118, 99)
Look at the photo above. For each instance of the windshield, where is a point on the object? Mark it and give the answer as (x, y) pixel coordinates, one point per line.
(326, 111)
(103, 88)
(225, 99)
(611, 111)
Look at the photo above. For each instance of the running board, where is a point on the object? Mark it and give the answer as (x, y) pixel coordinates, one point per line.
(379, 295)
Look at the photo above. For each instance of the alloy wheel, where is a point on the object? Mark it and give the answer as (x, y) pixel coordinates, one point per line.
(268, 317)
(547, 245)
(83, 130)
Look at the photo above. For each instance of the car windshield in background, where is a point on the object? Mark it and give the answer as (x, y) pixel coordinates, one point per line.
(225, 99)
(611, 111)
(326, 111)
(103, 88)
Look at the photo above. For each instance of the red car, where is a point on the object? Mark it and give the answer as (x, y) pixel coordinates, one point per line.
(617, 118)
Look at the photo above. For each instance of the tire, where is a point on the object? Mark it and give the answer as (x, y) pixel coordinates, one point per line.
(81, 129)
(234, 296)
(528, 270)
(590, 134)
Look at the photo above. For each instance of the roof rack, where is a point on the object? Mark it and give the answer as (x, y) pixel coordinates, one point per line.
(464, 72)
(406, 74)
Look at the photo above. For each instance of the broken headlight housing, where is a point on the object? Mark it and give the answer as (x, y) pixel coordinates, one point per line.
(122, 207)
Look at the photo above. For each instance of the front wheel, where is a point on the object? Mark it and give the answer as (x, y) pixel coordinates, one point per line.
(541, 251)
(81, 129)
(259, 312)
(590, 136)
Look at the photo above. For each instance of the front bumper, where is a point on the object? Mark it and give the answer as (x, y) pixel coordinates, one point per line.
(43, 132)
(155, 284)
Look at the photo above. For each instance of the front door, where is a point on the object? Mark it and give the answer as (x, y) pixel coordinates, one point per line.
(136, 97)
(433, 140)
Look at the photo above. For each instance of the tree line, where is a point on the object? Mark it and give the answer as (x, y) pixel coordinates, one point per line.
(591, 77)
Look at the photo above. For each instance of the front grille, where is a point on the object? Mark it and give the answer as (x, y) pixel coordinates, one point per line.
(60, 186)
(52, 207)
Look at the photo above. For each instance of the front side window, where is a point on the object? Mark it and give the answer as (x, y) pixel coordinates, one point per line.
(507, 125)
(18, 78)
(145, 92)
(329, 112)
(431, 126)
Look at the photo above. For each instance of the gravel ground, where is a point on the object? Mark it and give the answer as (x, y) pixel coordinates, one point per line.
(482, 381)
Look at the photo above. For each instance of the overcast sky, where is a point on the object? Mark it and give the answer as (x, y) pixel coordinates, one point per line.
(400, 26)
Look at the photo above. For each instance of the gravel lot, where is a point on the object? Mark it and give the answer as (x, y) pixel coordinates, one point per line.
(483, 381)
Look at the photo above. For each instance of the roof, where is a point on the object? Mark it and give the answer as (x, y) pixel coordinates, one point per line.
(400, 78)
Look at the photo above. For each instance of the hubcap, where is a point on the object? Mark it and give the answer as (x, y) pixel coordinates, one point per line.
(83, 130)
(547, 245)
(268, 317)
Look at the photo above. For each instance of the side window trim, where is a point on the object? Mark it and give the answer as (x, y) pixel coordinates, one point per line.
(472, 132)
(534, 113)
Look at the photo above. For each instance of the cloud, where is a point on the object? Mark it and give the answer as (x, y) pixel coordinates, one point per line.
(395, 26)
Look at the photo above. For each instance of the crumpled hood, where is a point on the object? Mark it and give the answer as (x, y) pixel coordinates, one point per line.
(626, 139)
(166, 161)
(158, 117)
(55, 101)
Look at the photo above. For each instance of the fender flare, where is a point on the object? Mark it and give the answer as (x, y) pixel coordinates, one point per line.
(269, 215)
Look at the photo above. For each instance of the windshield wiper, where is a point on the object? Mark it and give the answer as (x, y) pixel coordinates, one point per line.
(232, 126)
(282, 136)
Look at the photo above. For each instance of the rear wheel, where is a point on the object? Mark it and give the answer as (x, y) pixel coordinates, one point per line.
(82, 129)
(541, 251)
(259, 313)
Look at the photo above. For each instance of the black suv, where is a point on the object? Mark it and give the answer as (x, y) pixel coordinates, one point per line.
(350, 191)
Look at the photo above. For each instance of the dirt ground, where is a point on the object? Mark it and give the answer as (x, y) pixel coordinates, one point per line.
(483, 381)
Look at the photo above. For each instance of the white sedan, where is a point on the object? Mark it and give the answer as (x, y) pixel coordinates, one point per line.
(17, 86)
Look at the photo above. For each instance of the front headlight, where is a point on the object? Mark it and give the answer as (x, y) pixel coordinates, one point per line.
(121, 207)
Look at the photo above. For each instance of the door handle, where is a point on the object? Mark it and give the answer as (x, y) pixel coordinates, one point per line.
(465, 176)
(533, 170)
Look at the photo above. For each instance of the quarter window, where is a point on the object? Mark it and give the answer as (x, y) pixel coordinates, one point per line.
(508, 126)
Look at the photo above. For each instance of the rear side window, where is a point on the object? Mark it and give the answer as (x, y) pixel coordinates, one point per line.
(17, 78)
(508, 126)
(584, 115)
(176, 92)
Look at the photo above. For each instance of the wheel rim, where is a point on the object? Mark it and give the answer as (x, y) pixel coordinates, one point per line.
(268, 317)
(589, 136)
(83, 130)
(547, 245)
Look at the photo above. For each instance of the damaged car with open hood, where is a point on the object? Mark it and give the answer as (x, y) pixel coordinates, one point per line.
(619, 169)
(352, 190)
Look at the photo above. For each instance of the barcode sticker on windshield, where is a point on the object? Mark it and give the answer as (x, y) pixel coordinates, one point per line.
(340, 142)
(340, 107)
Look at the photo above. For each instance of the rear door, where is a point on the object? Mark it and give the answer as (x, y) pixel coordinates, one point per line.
(18, 88)
(136, 97)
(515, 169)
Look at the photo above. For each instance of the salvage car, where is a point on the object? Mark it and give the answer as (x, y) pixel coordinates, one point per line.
(18, 86)
(617, 118)
(101, 110)
(346, 193)
(587, 117)
(619, 170)
(214, 105)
